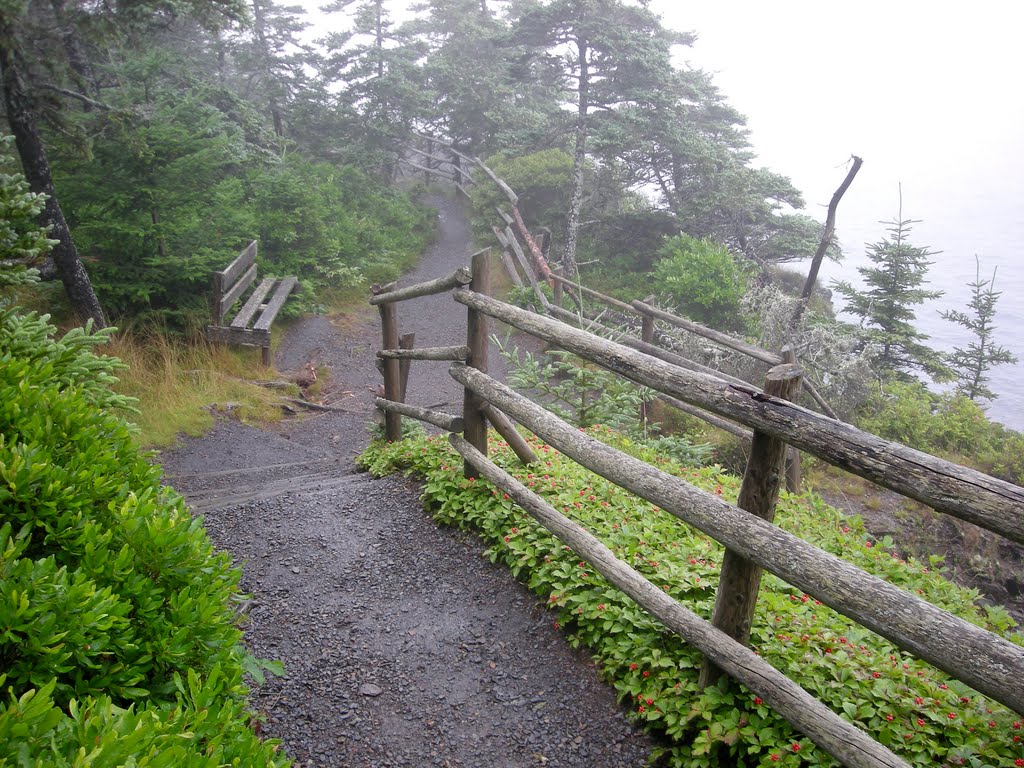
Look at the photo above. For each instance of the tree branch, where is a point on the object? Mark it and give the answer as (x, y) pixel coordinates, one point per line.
(80, 96)
(826, 241)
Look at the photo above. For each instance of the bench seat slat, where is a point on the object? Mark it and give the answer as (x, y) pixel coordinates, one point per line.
(274, 305)
(244, 336)
(251, 306)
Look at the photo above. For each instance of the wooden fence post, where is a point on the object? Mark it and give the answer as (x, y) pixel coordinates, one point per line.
(741, 579)
(475, 423)
(794, 472)
(456, 162)
(392, 370)
(647, 337)
(428, 174)
(405, 341)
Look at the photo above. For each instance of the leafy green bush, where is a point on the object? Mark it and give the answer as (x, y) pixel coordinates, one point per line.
(917, 711)
(170, 196)
(947, 424)
(542, 181)
(704, 280)
(119, 639)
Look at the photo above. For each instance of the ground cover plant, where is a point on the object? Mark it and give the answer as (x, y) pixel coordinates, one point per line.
(917, 711)
(119, 637)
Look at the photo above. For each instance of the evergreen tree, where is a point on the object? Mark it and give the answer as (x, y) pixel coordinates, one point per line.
(893, 287)
(377, 67)
(487, 94)
(270, 59)
(690, 144)
(971, 365)
(21, 118)
(23, 243)
(611, 54)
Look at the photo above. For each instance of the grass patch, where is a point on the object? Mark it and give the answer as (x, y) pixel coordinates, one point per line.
(180, 384)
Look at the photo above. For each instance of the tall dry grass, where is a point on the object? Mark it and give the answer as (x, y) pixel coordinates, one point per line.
(182, 383)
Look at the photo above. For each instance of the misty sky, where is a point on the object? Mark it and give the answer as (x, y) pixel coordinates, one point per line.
(926, 93)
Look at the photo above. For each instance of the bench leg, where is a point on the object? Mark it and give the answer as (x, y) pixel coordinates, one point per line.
(266, 356)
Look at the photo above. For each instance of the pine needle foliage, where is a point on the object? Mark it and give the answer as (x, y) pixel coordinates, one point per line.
(972, 364)
(894, 286)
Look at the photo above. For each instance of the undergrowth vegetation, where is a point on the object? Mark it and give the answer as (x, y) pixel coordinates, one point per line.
(918, 712)
(178, 386)
(119, 636)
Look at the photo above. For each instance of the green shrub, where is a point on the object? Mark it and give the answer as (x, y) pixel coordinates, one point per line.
(703, 279)
(118, 624)
(917, 711)
(946, 424)
(166, 200)
(541, 180)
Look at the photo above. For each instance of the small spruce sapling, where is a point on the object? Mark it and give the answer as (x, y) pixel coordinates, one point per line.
(893, 287)
(972, 364)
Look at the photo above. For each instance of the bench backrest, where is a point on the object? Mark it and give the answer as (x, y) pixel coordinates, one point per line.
(230, 283)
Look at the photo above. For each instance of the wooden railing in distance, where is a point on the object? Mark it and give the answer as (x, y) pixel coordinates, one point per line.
(839, 738)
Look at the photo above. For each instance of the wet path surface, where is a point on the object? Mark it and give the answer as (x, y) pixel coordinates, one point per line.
(403, 646)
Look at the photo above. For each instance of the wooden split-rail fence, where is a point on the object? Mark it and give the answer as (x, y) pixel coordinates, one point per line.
(986, 662)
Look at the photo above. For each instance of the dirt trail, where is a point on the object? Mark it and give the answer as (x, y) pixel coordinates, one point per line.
(403, 646)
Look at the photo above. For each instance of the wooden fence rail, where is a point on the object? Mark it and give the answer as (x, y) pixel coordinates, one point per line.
(981, 659)
(839, 738)
(426, 353)
(461, 276)
(947, 487)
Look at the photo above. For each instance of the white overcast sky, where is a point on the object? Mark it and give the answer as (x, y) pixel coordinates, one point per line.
(928, 93)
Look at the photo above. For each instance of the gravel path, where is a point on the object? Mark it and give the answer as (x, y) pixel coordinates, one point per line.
(402, 645)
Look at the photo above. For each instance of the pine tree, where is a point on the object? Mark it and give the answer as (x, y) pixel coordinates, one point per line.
(611, 54)
(971, 365)
(893, 287)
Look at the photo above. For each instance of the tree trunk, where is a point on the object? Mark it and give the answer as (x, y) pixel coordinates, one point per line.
(261, 36)
(37, 171)
(77, 58)
(572, 225)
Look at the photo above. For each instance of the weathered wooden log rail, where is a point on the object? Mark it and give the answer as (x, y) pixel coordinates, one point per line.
(981, 659)
(946, 487)
(836, 736)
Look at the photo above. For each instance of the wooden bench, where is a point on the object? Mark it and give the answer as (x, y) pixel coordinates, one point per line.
(251, 326)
